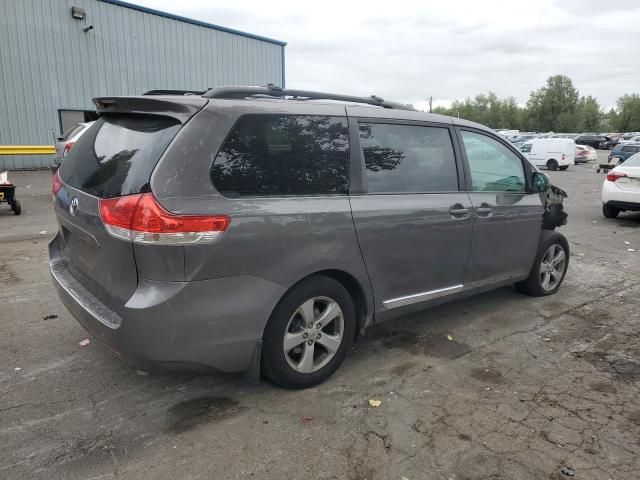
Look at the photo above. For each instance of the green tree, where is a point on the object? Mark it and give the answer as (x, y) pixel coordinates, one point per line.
(588, 116)
(552, 107)
(628, 113)
(512, 115)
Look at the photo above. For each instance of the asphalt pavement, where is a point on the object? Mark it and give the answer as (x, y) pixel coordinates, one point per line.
(498, 386)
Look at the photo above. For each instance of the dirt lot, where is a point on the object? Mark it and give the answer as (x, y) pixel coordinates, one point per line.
(525, 388)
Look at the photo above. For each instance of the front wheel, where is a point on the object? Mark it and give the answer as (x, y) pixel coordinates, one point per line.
(552, 164)
(549, 268)
(309, 333)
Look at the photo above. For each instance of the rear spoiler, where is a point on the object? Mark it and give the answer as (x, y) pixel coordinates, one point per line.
(180, 108)
(176, 92)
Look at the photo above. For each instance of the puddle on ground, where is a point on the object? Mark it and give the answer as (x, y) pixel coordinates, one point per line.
(487, 375)
(403, 368)
(433, 345)
(603, 387)
(622, 369)
(191, 413)
(8, 276)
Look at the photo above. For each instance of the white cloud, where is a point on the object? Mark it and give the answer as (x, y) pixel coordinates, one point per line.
(451, 49)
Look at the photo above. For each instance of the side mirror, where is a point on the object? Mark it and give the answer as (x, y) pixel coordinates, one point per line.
(540, 182)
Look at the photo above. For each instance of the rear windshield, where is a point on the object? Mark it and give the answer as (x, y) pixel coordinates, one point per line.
(117, 154)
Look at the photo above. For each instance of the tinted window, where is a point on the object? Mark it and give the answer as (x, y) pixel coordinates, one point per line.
(408, 158)
(117, 154)
(494, 168)
(526, 147)
(283, 155)
(630, 148)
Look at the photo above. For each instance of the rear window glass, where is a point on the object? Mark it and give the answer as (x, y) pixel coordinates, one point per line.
(283, 155)
(117, 154)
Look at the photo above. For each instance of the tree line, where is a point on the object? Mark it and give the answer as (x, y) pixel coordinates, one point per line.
(555, 107)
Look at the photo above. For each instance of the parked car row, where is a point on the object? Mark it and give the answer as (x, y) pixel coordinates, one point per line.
(594, 140)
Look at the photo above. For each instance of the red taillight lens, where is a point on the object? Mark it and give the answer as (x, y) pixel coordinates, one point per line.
(613, 176)
(141, 219)
(67, 148)
(56, 184)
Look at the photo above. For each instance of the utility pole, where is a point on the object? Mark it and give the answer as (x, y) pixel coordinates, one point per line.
(430, 104)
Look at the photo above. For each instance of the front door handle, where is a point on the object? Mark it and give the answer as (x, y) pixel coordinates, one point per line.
(459, 211)
(484, 210)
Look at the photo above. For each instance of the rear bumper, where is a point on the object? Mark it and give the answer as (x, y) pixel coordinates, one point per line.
(215, 323)
(615, 196)
(633, 206)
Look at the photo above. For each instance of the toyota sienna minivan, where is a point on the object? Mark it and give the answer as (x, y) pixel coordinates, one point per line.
(261, 229)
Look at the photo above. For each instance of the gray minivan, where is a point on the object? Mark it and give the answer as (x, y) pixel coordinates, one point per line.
(261, 229)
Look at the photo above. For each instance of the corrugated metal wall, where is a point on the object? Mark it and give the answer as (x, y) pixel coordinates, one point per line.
(48, 63)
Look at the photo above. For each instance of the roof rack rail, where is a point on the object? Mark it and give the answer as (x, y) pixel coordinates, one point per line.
(175, 92)
(278, 92)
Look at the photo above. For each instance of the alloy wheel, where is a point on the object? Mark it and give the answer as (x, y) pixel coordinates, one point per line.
(313, 335)
(552, 267)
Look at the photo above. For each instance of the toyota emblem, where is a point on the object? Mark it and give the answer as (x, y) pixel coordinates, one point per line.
(73, 206)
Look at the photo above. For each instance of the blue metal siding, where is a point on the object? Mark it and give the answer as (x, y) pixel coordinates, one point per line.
(48, 63)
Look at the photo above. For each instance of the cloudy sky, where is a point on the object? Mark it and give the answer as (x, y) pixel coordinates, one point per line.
(447, 49)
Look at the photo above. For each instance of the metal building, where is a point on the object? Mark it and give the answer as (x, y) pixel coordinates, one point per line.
(56, 55)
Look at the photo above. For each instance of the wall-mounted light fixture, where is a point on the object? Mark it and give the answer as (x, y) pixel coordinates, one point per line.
(86, 29)
(78, 13)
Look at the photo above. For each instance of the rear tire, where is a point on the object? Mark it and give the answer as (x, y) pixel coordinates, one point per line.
(609, 211)
(320, 350)
(549, 267)
(552, 164)
(564, 167)
(16, 207)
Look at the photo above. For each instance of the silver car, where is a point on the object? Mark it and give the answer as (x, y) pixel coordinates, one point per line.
(261, 229)
(67, 140)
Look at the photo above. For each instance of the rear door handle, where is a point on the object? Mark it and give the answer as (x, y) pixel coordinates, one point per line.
(459, 211)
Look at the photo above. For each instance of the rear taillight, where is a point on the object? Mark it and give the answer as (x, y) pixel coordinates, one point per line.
(141, 219)
(613, 176)
(67, 148)
(56, 184)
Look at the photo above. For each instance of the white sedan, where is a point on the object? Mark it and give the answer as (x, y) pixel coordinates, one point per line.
(585, 153)
(621, 189)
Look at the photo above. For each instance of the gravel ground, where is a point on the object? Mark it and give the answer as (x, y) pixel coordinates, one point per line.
(525, 389)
